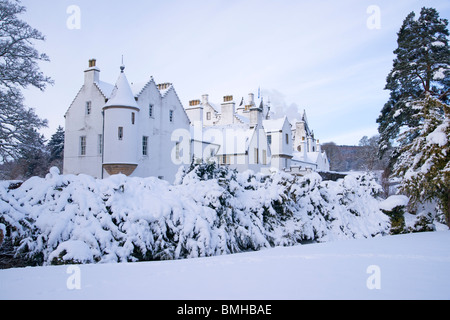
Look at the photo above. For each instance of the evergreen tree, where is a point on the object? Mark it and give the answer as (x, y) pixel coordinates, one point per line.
(33, 156)
(424, 163)
(56, 145)
(421, 66)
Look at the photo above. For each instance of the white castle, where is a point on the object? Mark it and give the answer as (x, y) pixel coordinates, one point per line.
(144, 130)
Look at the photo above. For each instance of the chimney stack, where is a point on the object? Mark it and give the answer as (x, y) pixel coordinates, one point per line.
(195, 112)
(255, 116)
(228, 109)
(251, 98)
(205, 99)
(92, 74)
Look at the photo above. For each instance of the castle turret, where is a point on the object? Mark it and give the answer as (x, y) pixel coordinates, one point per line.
(121, 129)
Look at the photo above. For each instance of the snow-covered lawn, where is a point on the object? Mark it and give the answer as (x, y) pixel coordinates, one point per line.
(412, 266)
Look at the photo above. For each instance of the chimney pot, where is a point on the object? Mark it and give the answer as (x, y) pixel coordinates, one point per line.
(227, 98)
(251, 98)
(194, 103)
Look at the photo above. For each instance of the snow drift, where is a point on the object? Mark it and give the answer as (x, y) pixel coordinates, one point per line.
(209, 211)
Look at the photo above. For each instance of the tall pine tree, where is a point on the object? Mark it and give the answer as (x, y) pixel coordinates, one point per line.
(424, 162)
(415, 120)
(421, 67)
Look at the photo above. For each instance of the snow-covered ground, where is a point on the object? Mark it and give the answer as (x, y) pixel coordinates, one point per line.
(412, 266)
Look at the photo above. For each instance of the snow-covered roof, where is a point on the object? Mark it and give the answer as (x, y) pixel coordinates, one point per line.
(105, 88)
(122, 94)
(138, 87)
(241, 118)
(274, 125)
(216, 107)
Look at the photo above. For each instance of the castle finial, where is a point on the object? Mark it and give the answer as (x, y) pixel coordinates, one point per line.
(122, 67)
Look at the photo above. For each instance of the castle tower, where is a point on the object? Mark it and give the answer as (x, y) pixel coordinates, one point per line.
(121, 129)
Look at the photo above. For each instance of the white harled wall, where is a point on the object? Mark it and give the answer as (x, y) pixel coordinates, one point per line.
(158, 128)
(77, 124)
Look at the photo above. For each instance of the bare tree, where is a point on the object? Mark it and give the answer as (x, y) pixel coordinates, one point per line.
(334, 156)
(18, 70)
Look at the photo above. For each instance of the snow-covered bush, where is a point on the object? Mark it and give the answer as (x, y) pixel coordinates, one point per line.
(395, 208)
(209, 211)
(426, 218)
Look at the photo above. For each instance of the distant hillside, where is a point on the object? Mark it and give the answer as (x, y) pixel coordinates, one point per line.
(353, 158)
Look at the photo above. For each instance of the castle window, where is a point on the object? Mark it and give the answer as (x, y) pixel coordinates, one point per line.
(150, 111)
(120, 133)
(100, 144)
(171, 115)
(88, 107)
(256, 157)
(264, 157)
(287, 138)
(133, 117)
(269, 139)
(145, 146)
(177, 151)
(225, 159)
(82, 145)
(208, 116)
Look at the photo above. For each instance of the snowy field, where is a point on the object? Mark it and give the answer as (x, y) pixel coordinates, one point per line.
(412, 266)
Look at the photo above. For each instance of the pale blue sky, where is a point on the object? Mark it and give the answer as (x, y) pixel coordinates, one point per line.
(313, 55)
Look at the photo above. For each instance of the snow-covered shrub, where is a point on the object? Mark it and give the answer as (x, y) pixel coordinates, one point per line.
(424, 219)
(209, 211)
(422, 222)
(395, 208)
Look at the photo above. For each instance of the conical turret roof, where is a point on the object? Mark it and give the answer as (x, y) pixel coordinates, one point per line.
(122, 96)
